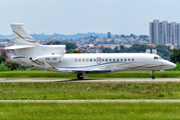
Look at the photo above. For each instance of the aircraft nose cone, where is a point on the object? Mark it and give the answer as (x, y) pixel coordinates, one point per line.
(169, 65)
(174, 65)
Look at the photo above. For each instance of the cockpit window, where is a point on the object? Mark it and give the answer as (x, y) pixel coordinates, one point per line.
(160, 58)
(156, 58)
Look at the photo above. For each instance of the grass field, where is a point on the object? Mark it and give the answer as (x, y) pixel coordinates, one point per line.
(94, 111)
(75, 90)
(88, 110)
(129, 74)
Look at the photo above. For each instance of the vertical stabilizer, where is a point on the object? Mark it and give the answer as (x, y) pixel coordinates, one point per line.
(28, 47)
(21, 36)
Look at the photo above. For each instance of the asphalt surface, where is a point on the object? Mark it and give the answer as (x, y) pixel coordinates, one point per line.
(110, 80)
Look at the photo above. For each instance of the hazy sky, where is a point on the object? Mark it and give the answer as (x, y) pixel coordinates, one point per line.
(82, 16)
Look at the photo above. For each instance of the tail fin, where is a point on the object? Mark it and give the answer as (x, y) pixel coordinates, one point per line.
(21, 36)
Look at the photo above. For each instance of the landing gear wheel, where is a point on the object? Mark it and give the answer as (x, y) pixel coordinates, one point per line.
(153, 74)
(78, 76)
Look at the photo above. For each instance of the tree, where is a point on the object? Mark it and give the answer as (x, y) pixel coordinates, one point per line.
(3, 57)
(123, 36)
(3, 54)
(94, 37)
(73, 51)
(132, 35)
(175, 56)
(107, 50)
(143, 36)
(116, 36)
(12, 65)
(163, 51)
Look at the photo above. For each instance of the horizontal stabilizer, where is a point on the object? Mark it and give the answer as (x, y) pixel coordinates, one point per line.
(18, 47)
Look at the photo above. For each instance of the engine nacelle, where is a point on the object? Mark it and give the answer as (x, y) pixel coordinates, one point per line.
(49, 59)
(18, 58)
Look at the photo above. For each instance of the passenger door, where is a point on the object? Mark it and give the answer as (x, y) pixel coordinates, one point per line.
(98, 59)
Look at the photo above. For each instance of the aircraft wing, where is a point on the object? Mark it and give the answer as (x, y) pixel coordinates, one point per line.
(80, 69)
(85, 69)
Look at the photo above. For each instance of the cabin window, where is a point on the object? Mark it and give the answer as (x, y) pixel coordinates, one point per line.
(75, 60)
(129, 59)
(79, 60)
(102, 60)
(86, 60)
(121, 59)
(106, 60)
(90, 60)
(132, 59)
(110, 60)
(156, 58)
(83, 60)
(114, 60)
(94, 60)
(117, 60)
(124, 59)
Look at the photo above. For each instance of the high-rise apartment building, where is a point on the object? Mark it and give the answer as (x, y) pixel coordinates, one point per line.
(108, 35)
(162, 33)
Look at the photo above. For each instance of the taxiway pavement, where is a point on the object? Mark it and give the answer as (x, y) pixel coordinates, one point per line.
(109, 80)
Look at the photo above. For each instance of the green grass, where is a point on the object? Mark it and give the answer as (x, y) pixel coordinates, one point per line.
(93, 111)
(75, 90)
(129, 74)
(87, 110)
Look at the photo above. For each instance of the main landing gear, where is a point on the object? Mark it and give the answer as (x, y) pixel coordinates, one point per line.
(79, 76)
(153, 74)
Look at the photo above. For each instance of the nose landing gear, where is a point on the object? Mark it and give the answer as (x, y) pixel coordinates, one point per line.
(153, 74)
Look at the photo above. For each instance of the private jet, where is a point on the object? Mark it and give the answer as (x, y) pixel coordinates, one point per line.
(54, 58)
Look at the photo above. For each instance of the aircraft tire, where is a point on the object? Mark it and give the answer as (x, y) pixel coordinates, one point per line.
(78, 76)
(153, 77)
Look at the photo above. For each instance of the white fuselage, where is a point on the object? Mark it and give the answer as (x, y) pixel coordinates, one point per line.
(104, 62)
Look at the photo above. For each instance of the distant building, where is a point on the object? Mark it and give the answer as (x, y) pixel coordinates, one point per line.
(162, 33)
(108, 35)
(153, 51)
(148, 51)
